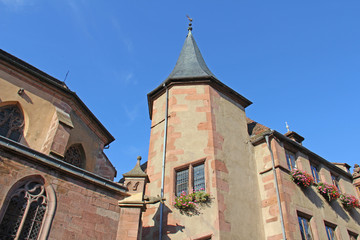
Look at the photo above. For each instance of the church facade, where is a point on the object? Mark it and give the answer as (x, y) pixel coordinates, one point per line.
(211, 172)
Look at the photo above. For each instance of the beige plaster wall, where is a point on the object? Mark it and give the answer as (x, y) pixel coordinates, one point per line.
(296, 200)
(39, 103)
(189, 140)
(37, 108)
(237, 184)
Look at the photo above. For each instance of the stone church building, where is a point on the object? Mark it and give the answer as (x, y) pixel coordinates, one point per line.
(57, 183)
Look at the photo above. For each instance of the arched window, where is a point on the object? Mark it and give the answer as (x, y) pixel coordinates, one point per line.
(11, 122)
(75, 155)
(25, 212)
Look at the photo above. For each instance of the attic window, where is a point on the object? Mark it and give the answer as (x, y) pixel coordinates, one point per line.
(11, 122)
(75, 155)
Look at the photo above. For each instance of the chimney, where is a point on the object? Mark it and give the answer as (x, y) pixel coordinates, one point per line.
(295, 137)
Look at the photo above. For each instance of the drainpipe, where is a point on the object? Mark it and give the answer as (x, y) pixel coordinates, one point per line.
(276, 186)
(163, 161)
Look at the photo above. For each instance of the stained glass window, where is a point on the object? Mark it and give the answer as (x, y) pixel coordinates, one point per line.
(75, 155)
(25, 212)
(11, 122)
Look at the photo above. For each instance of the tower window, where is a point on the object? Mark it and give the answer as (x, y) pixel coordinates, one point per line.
(25, 212)
(191, 177)
(11, 122)
(75, 155)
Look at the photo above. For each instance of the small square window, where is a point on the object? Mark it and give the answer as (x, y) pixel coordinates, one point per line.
(191, 178)
(315, 172)
(330, 232)
(291, 160)
(305, 229)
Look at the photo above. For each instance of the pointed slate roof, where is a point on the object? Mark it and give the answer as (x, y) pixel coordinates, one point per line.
(190, 62)
(191, 69)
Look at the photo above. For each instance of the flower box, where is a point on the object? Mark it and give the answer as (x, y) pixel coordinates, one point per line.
(190, 201)
(329, 192)
(301, 178)
(349, 201)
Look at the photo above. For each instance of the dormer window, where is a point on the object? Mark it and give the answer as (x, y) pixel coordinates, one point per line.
(335, 181)
(11, 122)
(290, 159)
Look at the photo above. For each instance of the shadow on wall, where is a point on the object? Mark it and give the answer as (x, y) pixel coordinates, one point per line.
(313, 197)
(339, 210)
(152, 232)
(355, 215)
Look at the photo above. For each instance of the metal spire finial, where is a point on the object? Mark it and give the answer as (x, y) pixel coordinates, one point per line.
(190, 23)
(287, 127)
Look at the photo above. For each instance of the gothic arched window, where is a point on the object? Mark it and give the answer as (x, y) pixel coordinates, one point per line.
(75, 155)
(25, 212)
(11, 122)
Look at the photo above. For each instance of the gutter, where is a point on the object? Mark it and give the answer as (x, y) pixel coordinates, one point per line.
(56, 164)
(163, 160)
(276, 185)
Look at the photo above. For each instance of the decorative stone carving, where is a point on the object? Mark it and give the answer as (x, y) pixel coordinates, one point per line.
(356, 170)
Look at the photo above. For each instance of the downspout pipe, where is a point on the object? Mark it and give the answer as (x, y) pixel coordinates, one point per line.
(163, 160)
(276, 185)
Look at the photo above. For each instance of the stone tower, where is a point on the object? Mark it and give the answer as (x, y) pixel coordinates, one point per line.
(203, 123)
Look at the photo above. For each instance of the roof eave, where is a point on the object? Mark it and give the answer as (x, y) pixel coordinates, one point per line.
(210, 80)
(43, 77)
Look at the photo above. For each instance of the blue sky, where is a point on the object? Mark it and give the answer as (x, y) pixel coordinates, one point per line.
(297, 61)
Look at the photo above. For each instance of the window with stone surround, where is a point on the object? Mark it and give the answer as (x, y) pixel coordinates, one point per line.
(315, 172)
(353, 236)
(75, 155)
(305, 230)
(11, 122)
(335, 181)
(188, 177)
(290, 159)
(25, 210)
(330, 231)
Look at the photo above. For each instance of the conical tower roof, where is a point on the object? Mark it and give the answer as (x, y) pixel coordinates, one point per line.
(191, 69)
(190, 63)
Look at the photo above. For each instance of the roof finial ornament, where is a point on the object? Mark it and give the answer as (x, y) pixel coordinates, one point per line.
(190, 23)
(287, 127)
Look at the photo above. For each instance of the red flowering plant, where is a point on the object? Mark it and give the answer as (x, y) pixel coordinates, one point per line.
(301, 178)
(330, 192)
(349, 201)
(191, 200)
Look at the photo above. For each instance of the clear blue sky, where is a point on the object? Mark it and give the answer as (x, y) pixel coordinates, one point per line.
(297, 61)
